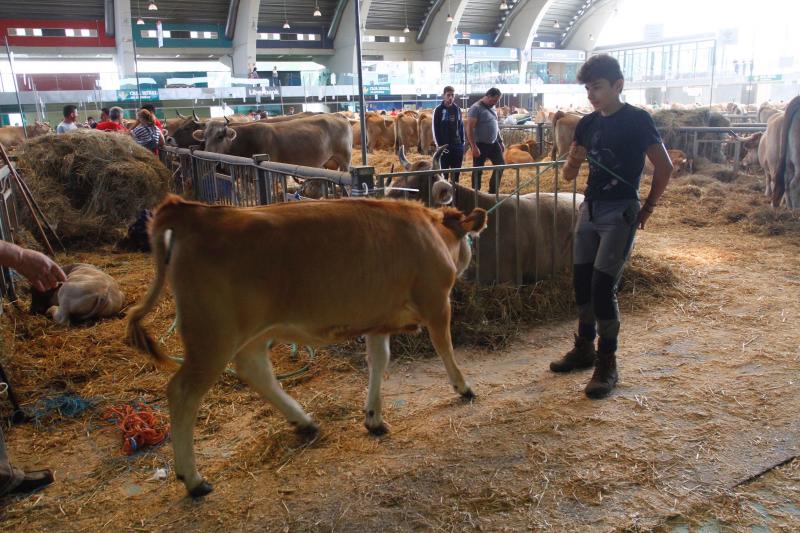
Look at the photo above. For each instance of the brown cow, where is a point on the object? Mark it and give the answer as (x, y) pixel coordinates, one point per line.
(88, 293)
(310, 141)
(527, 152)
(564, 125)
(425, 128)
(681, 164)
(13, 136)
(380, 131)
(406, 130)
(393, 273)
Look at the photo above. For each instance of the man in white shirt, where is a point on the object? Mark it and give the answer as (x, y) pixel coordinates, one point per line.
(70, 116)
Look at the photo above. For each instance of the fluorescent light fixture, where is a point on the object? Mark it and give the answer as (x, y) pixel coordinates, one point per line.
(152, 7)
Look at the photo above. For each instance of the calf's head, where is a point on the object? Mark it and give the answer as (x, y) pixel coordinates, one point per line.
(217, 136)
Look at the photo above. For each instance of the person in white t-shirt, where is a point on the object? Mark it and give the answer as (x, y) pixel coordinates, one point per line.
(70, 116)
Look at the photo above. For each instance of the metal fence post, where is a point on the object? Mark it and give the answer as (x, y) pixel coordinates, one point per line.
(737, 150)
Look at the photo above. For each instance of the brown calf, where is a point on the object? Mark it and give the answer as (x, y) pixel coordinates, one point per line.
(232, 272)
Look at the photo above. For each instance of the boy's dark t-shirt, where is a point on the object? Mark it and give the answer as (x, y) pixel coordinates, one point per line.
(619, 143)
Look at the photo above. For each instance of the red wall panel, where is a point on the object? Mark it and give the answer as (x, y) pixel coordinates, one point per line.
(102, 40)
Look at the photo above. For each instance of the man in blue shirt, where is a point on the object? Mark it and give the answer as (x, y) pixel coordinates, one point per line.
(615, 138)
(448, 130)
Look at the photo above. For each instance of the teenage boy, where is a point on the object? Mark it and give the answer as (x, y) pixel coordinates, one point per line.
(615, 138)
(448, 130)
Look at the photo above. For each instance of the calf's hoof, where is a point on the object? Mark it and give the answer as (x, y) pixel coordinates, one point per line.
(201, 490)
(307, 432)
(379, 430)
(468, 395)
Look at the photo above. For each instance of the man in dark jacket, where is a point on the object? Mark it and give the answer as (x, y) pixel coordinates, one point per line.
(448, 130)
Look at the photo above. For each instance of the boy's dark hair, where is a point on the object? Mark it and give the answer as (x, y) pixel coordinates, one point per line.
(600, 67)
(150, 107)
(448, 89)
(494, 91)
(69, 109)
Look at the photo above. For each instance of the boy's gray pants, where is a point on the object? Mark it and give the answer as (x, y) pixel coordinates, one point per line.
(604, 235)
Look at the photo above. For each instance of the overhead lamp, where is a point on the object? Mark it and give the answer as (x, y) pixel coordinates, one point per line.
(449, 10)
(405, 17)
(286, 25)
(503, 5)
(406, 29)
(317, 12)
(449, 17)
(591, 37)
(556, 25)
(508, 33)
(152, 6)
(140, 21)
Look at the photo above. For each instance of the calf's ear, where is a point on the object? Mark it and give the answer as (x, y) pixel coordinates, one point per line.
(475, 222)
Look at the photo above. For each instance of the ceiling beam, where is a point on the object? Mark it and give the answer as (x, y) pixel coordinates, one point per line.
(230, 24)
(426, 22)
(513, 12)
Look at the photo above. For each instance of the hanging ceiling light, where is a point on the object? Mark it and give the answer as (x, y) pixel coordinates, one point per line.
(449, 10)
(556, 25)
(503, 5)
(508, 33)
(449, 17)
(140, 21)
(317, 12)
(406, 30)
(152, 7)
(286, 25)
(285, 17)
(405, 15)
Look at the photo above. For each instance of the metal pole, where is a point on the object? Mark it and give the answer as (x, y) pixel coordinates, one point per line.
(713, 70)
(16, 87)
(136, 71)
(362, 104)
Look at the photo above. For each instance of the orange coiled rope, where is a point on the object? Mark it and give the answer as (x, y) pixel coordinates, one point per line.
(140, 426)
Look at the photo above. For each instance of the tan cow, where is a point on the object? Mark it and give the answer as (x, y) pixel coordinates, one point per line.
(406, 130)
(88, 293)
(564, 125)
(766, 110)
(681, 164)
(527, 152)
(380, 131)
(433, 189)
(427, 143)
(309, 141)
(786, 186)
(229, 269)
(13, 136)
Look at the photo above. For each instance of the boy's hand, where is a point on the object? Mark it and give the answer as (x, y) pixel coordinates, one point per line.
(575, 158)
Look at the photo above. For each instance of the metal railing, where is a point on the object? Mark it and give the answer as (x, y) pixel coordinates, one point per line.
(694, 133)
(8, 226)
(239, 181)
(525, 215)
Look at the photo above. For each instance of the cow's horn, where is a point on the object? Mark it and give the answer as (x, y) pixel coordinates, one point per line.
(401, 154)
(194, 116)
(178, 113)
(227, 121)
(437, 157)
(734, 134)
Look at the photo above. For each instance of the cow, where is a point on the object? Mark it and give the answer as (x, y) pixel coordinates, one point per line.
(380, 131)
(681, 164)
(749, 153)
(310, 141)
(541, 250)
(393, 273)
(88, 293)
(179, 133)
(766, 110)
(433, 189)
(786, 182)
(735, 109)
(13, 136)
(425, 127)
(527, 152)
(564, 125)
(406, 132)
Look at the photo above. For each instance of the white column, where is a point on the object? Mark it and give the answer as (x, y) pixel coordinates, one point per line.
(245, 37)
(125, 58)
(343, 60)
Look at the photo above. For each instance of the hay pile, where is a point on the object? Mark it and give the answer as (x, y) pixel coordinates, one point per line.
(90, 184)
(493, 316)
(669, 120)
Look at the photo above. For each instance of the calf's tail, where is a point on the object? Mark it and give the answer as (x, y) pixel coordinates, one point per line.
(161, 241)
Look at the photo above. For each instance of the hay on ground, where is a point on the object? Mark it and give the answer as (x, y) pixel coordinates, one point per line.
(90, 184)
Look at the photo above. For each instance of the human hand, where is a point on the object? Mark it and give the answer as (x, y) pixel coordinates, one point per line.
(644, 214)
(575, 159)
(40, 270)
